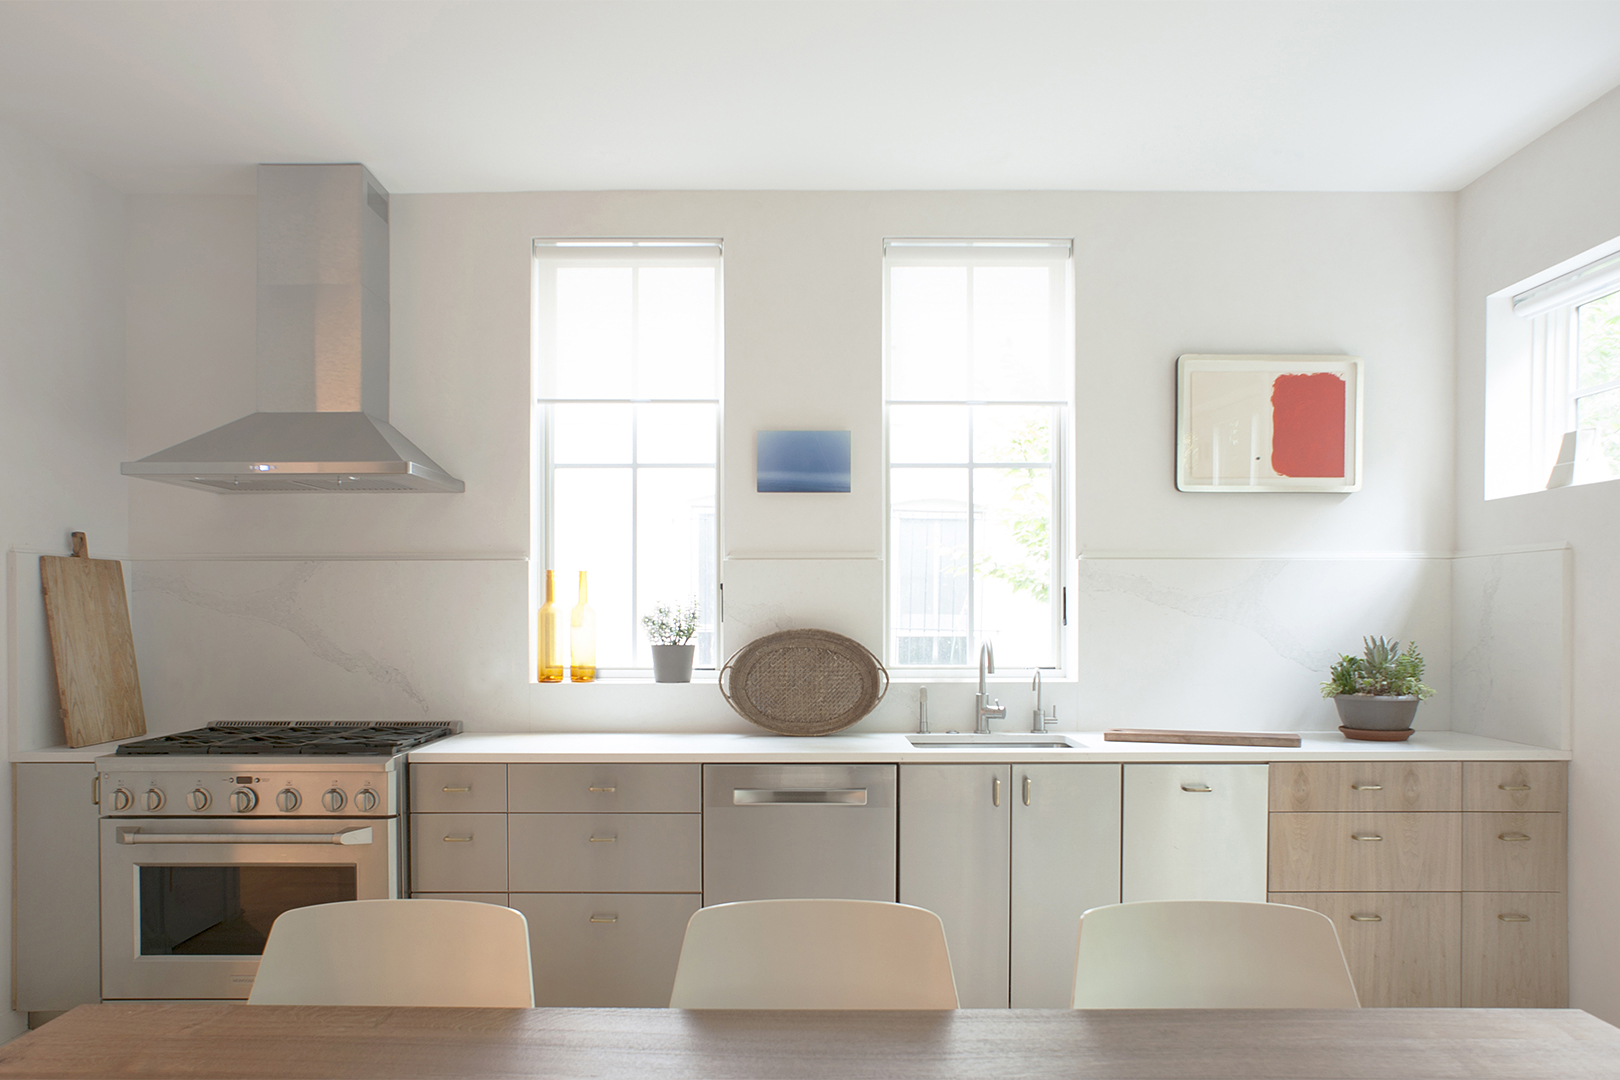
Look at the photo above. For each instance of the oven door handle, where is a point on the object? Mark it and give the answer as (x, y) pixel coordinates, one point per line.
(347, 837)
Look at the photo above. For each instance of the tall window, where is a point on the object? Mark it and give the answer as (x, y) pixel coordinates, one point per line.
(627, 340)
(978, 359)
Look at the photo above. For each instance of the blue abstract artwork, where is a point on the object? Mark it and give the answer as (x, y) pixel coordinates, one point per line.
(803, 461)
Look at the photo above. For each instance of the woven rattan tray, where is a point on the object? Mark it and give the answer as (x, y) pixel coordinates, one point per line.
(803, 682)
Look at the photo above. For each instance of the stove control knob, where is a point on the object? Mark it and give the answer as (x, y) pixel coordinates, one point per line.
(333, 800)
(287, 800)
(154, 799)
(199, 799)
(243, 799)
(122, 799)
(365, 800)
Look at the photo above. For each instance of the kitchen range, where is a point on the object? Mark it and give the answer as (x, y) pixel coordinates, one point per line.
(208, 835)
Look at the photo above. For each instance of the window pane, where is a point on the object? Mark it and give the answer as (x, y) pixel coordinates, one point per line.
(1012, 433)
(1599, 341)
(594, 324)
(591, 531)
(1013, 325)
(676, 333)
(675, 557)
(928, 576)
(590, 434)
(1013, 562)
(931, 434)
(675, 434)
(1599, 414)
(928, 333)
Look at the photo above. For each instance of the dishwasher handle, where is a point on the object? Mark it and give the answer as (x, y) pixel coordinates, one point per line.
(799, 796)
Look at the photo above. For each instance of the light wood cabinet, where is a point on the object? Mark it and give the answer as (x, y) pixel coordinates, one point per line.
(1514, 951)
(604, 789)
(1402, 947)
(1365, 786)
(1513, 852)
(458, 853)
(607, 949)
(1526, 786)
(1194, 832)
(605, 852)
(1366, 852)
(458, 789)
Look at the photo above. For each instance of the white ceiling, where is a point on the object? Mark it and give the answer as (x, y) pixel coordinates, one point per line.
(859, 94)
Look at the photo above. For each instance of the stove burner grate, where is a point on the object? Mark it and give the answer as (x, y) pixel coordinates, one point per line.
(327, 739)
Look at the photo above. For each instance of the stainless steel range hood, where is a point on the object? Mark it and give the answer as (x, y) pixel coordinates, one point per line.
(322, 422)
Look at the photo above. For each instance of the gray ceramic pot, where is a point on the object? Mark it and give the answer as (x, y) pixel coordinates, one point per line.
(672, 663)
(1370, 713)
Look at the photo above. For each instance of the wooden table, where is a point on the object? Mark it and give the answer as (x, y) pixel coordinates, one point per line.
(142, 1040)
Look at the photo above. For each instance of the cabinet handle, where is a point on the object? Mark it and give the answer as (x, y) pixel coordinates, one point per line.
(1365, 836)
(459, 789)
(95, 789)
(1028, 783)
(1514, 787)
(604, 790)
(1514, 918)
(1512, 836)
(1366, 918)
(1366, 787)
(1199, 788)
(458, 839)
(995, 792)
(604, 918)
(604, 839)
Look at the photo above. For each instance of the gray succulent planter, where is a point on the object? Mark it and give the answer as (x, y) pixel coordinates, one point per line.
(1368, 712)
(672, 663)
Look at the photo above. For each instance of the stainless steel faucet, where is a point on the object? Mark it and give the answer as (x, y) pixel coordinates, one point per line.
(1041, 721)
(922, 710)
(984, 709)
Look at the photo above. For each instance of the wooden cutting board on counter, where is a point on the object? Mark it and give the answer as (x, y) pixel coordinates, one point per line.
(1202, 738)
(88, 618)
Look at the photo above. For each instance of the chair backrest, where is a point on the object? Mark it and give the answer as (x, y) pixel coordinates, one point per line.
(814, 954)
(1210, 954)
(397, 952)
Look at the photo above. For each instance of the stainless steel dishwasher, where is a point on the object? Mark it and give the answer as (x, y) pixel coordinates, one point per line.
(773, 832)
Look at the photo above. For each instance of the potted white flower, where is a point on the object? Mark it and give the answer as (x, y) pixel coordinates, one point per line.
(670, 630)
(1378, 692)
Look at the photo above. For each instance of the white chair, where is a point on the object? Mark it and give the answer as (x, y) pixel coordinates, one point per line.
(1210, 954)
(397, 952)
(814, 954)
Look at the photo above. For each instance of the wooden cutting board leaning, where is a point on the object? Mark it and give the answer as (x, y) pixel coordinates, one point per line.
(88, 617)
(1203, 738)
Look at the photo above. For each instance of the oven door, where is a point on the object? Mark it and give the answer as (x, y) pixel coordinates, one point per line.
(186, 904)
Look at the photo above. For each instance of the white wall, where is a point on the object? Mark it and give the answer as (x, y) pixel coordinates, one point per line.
(415, 605)
(1557, 197)
(61, 416)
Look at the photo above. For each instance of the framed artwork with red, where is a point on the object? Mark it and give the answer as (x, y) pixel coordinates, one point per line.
(1268, 423)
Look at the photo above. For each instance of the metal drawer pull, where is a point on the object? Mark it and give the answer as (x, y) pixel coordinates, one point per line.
(829, 796)
(346, 837)
(1028, 783)
(1365, 836)
(458, 839)
(995, 792)
(1512, 836)
(1196, 787)
(1514, 918)
(604, 790)
(604, 839)
(1366, 787)
(1514, 787)
(459, 789)
(1366, 918)
(604, 918)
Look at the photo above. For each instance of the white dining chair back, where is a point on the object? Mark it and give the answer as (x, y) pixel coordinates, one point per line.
(814, 954)
(397, 952)
(1210, 954)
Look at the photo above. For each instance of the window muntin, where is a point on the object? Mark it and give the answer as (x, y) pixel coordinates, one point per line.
(627, 418)
(1594, 404)
(978, 364)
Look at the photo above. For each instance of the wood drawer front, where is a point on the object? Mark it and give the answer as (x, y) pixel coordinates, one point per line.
(458, 789)
(1319, 853)
(607, 852)
(1529, 786)
(1366, 786)
(606, 789)
(1402, 948)
(1513, 852)
(471, 897)
(605, 951)
(1520, 961)
(458, 853)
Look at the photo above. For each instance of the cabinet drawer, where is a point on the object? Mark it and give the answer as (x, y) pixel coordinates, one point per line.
(606, 789)
(498, 898)
(1515, 785)
(458, 853)
(1366, 786)
(458, 789)
(1402, 948)
(1515, 951)
(605, 951)
(1513, 852)
(606, 852)
(1366, 853)
(1193, 832)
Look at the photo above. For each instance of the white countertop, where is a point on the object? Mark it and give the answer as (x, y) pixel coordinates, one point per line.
(892, 746)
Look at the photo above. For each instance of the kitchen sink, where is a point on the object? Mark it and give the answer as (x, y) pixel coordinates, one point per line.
(1000, 740)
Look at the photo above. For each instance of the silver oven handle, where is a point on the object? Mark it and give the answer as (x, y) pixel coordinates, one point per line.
(347, 837)
(765, 796)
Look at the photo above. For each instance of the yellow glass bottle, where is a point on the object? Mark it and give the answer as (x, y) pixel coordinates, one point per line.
(582, 639)
(551, 635)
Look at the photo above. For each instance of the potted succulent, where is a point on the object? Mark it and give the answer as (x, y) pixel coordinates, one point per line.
(1377, 693)
(670, 630)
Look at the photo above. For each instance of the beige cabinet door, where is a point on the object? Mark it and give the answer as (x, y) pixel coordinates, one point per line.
(1515, 951)
(458, 853)
(605, 950)
(1402, 948)
(1194, 832)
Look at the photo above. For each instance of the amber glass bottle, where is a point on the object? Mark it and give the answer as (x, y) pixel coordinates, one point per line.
(582, 639)
(551, 634)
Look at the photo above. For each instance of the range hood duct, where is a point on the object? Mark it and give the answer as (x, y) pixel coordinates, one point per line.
(322, 419)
